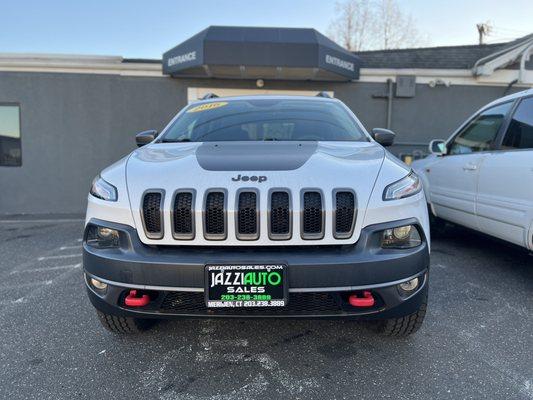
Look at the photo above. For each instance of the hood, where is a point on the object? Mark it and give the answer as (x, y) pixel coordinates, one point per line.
(302, 164)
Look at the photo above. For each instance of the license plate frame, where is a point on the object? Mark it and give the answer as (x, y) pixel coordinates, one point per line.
(220, 277)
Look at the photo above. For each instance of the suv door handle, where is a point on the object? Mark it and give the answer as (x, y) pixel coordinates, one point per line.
(469, 167)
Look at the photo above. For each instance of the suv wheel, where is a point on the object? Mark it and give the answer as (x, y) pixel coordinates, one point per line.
(404, 326)
(118, 324)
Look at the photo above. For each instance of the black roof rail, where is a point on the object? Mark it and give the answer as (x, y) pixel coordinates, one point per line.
(209, 96)
(323, 94)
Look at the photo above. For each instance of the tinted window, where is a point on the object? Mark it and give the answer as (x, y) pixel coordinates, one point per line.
(479, 134)
(520, 132)
(265, 119)
(10, 154)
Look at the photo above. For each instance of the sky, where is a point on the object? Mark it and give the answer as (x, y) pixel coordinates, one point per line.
(146, 29)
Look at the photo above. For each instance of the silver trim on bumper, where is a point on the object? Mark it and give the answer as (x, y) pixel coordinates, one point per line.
(291, 290)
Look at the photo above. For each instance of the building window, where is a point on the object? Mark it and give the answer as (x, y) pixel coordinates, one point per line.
(10, 151)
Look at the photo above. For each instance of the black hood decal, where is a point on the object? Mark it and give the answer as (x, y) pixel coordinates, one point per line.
(254, 156)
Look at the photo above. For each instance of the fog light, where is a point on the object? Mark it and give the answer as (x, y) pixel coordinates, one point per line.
(102, 237)
(409, 286)
(105, 233)
(402, 232)
(98, 284)
(401, 237)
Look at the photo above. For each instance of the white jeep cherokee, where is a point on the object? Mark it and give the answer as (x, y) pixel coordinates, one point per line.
(259, 206)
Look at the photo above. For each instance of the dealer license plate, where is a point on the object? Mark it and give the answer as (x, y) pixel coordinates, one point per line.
(257, 285)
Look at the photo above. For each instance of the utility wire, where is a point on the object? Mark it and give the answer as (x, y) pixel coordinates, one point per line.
(509, 30)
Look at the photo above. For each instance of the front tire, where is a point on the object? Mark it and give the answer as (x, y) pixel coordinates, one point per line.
(404, 326)
(123, 325)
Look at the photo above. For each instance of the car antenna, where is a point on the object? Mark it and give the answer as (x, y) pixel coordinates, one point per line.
(209, 96)
(323, 94)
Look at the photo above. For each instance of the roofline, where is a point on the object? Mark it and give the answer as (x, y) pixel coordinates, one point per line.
(84, 64)
(60, 57)
(464, 46)
(259, 27)
(503, 57)
(142, 60)
(116, 65)
(76, 57)
(504, 53)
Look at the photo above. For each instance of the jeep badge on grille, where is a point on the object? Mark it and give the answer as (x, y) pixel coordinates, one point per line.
(246, 178)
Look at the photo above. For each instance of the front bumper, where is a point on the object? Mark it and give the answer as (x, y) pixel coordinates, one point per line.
(319, 277)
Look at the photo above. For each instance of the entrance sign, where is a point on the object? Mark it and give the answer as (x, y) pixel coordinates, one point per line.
(261, 53)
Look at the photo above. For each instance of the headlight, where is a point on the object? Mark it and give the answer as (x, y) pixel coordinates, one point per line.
(102, 237)
(103, 190)
(405, 187)
(402, 237)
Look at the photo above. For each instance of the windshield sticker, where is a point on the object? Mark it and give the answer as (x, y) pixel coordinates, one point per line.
(208, 106)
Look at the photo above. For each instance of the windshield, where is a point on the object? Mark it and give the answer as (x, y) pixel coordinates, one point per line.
(265, 119)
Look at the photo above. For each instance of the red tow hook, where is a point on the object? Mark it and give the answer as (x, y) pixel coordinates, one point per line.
(366, 301)
(133, 301)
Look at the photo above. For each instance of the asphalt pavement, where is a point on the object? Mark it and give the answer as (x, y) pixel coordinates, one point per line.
(476, 342)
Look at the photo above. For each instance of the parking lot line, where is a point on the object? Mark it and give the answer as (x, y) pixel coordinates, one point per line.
(9, 302)
(40, 221)
(70, 247)
(28, 284)
(44, 269)
(58, 257)
(39, 287)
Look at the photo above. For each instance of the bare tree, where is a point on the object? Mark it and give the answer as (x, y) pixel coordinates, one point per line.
(351, 25)
(397, 28)
(373, 24)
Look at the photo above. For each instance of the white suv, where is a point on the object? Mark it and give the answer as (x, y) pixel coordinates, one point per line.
(259, 206)
(482, 176)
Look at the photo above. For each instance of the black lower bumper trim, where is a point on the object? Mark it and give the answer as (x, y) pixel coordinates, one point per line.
(319, 277)
(364, 263)
(389, 302)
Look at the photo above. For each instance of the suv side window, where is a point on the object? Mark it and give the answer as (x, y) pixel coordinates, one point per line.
(519, 135)
(480, 133)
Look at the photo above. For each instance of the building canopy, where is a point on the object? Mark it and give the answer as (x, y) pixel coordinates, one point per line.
(266, 53)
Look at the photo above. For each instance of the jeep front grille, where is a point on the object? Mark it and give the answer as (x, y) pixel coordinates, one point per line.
(219, 215)
(247, 216)
(280, 216)
(183, 216)
(312, 215)
(152, 214)
(344, 217)
(215, 216)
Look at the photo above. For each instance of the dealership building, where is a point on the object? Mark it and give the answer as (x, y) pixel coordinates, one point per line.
(63, 117)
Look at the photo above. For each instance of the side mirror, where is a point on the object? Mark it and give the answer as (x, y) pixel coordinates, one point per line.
(437, 146)
(145, 137)
(384, 137)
